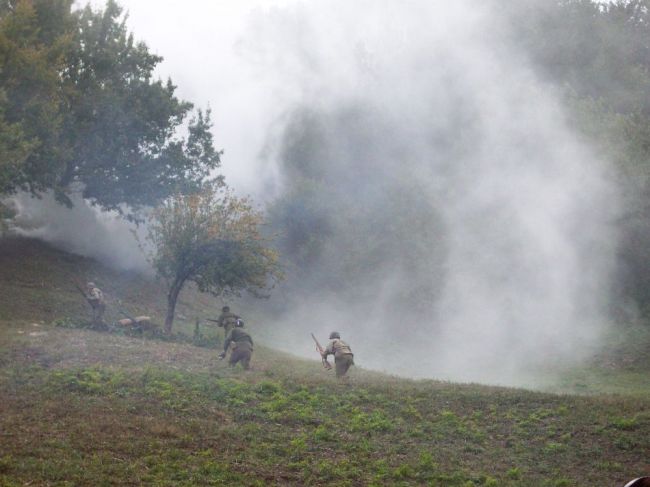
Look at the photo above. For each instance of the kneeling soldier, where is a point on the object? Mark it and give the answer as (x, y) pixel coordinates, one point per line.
(343, 357)
(243, 348)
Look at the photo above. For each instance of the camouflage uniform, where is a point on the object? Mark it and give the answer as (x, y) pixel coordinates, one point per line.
(227, 320)
(96, 299)
(343, 357)
(242, 350)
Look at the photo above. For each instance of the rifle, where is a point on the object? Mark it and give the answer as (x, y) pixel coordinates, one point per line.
(320, 350)
(213, 321)
(83, 293)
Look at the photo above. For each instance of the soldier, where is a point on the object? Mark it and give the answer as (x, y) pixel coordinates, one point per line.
(343, 357)
(95, 298)
(227, 320)
(243, 348)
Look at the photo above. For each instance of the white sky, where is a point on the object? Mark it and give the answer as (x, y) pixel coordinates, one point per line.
(198, 40)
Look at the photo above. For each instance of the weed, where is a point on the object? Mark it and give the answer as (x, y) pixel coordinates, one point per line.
(625, 424)
(6, 463)
(554, 448)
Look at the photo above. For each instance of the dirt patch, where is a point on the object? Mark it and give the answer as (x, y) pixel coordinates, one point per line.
(31, 356)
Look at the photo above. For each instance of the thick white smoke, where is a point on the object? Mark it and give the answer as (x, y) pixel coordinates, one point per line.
(524, 204)
(82, 229)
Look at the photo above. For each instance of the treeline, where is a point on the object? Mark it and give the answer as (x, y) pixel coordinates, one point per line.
(599, 54)
(81, 110)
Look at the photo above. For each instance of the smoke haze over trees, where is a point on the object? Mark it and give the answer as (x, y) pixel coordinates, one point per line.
(448, 195)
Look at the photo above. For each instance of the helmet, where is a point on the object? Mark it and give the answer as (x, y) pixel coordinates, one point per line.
(240, 323)
(335, 334)
(91, 284)
(225, 309)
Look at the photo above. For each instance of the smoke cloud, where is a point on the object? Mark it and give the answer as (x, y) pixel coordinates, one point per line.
(423, 118)
(82, 229)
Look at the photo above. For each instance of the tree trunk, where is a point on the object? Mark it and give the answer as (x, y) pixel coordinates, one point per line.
(172, 296)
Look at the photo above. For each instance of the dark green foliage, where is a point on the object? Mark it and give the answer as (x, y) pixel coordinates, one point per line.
(80, 110)
(33, 42)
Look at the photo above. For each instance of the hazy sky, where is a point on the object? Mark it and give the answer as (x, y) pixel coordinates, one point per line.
(200, 41)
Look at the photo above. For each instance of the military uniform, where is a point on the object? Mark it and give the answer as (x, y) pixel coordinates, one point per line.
(242, 350)
(96, 299)
(343, 356)
(227, 320)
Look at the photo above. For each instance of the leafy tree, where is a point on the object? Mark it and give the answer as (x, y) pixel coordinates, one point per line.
(121, 124)
(31, 57)
(82, 111)
(213, 239)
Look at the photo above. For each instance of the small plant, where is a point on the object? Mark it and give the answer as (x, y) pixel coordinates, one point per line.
(5, 464)
(626, 424)
(490, 482)
(553, 447)
(268, 387)
(67, 322)
(323, 433)
(514, 473)
(403, 472)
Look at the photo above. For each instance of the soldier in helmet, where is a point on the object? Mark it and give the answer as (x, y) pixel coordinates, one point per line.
(227, 320)
(343, 357)
(95, 298)
(243, 346)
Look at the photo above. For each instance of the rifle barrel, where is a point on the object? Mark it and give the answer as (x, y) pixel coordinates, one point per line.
(319, 348)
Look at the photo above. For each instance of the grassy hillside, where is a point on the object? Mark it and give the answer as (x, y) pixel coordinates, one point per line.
(37, 283)
(81, 407)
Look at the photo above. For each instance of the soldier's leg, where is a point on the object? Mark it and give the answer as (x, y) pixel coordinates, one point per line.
(343, 363)
(246, 359)
(234, 358)
(100, 312)
(238, 355)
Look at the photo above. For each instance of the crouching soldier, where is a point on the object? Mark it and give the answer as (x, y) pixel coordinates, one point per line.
(242, 349)
(343, 357)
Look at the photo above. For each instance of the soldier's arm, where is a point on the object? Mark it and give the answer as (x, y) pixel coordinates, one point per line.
(226, 344)
(329, 350)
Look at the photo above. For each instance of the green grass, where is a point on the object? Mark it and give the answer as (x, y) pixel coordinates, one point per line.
(81, 407)
(87, 408)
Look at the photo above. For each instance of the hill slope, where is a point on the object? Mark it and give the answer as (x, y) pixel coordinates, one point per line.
(37, 282)
(81, 407)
